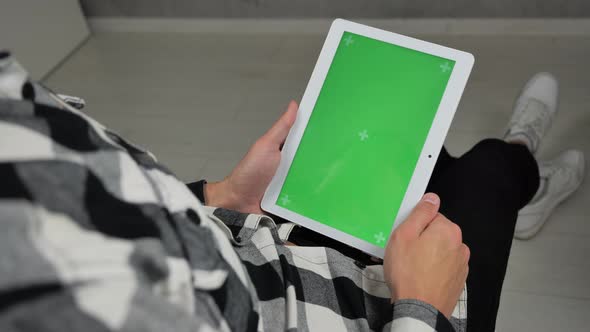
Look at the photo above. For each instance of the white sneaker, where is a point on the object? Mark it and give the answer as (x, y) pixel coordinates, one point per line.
(560, 177)
(533, 111)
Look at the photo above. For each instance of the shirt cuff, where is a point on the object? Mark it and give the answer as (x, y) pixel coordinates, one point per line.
(198, 189)
(407, 312)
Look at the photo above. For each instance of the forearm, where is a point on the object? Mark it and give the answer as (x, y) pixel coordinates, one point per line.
(219, 195)
(214, 194)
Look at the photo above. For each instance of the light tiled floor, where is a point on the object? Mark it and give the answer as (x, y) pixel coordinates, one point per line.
(199, 101)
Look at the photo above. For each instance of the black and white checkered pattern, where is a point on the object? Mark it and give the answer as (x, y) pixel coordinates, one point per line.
(95, 235)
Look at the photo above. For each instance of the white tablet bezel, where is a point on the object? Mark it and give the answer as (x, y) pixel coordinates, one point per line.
(430, 151)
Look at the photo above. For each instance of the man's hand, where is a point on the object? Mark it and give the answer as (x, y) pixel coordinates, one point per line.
(243, 189)
(426, 258)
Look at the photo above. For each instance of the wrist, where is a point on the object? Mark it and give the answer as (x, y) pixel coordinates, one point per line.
(218, 194)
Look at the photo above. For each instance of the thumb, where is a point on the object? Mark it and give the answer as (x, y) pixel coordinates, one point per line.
(279, 131)
(422, 215)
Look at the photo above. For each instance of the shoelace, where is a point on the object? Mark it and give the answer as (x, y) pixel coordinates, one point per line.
(535, 114)
(552, 170)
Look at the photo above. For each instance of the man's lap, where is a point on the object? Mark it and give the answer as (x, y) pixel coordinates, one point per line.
(295, 284)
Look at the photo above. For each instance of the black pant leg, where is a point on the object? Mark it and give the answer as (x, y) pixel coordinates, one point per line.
(444, 161)
(482, 192)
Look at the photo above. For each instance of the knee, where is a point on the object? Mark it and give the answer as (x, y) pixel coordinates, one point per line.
(492, 145)
(497, 160)
(501, 153)
(507, 163)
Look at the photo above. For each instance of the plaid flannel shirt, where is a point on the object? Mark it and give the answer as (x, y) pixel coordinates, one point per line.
(96, 235)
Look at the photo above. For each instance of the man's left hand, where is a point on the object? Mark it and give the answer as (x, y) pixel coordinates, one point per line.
(243, 189)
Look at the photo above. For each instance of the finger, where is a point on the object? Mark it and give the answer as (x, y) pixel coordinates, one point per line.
(444, 228)
(464, 272)
(465, 252)
(423, 214)
(444, 232)
(279, 131)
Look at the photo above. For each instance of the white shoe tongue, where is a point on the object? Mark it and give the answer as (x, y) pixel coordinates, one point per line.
(537, 114)
(530, 122)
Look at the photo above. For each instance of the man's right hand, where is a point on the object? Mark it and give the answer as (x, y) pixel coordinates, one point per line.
(426, 258)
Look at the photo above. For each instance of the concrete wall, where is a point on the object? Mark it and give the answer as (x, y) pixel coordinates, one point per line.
(337, 8)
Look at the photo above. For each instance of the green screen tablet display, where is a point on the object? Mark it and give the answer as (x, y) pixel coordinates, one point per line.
(364, 137)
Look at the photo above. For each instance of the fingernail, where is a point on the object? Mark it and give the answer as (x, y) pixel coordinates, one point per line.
(431, 198)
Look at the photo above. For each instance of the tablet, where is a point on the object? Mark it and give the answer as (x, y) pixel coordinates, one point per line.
(368, 132)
